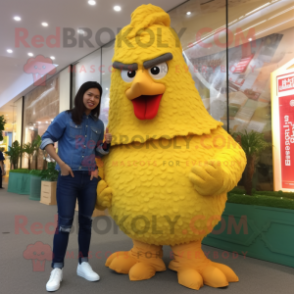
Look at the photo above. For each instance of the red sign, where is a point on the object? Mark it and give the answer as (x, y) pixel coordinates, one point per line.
(242, 65)
(286, 83)
(287, 140)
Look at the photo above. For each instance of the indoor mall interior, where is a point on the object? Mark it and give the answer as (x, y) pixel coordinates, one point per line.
(190, 110)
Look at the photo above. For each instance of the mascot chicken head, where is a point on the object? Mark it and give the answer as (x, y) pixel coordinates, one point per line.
(152, 83)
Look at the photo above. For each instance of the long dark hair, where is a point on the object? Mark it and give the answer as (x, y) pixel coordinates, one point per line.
(79, 110)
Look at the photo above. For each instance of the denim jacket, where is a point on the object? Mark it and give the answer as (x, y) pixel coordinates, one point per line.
(77, 144)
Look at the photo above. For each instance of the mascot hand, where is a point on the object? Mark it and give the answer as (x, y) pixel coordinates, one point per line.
(104, 196)
(209, 179)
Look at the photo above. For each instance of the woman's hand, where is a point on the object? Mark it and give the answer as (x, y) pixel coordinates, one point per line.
(94, 174)
(108, 136)
(66, 170)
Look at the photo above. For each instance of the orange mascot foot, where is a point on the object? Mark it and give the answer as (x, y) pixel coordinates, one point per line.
(141, 262)
(195, 269)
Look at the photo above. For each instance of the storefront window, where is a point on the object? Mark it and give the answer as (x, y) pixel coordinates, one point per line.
(17, 120)
(231, 69)
(107, 54)
(260, 41)
(262, 34)
(87, 69)
(201, 29)
(40, 108)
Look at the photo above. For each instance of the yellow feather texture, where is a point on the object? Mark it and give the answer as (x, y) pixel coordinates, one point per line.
(155, 198)
(181, 110)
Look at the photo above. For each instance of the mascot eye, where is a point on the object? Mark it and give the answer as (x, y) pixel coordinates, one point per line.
(159, 71)
(128, 75)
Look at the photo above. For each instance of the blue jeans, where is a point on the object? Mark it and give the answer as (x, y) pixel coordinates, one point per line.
(68, 190)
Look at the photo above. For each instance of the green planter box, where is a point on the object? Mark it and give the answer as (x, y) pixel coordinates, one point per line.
(265, 233)
(35, 191)
(19, 183)
(25, 184)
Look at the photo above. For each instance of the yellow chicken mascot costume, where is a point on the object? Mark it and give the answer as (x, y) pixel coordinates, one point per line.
(171, 164)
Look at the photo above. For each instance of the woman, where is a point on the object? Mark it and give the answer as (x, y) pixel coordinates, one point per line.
(80, 135)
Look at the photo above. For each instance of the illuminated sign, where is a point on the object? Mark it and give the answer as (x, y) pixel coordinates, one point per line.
(286, 109)
(285, 83)
(282, 88)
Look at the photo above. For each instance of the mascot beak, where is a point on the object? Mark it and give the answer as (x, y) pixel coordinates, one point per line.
(145, 94)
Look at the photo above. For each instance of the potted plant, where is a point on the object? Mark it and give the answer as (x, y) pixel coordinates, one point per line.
(36, 145)
(14, 153)
(49, 182)
(45, 163)
(29, 149)
(2, 125)
(252, 143)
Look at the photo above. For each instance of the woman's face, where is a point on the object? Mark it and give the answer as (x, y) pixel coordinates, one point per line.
(91, 99)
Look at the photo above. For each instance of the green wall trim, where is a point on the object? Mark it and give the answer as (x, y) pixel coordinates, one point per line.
(265, 233)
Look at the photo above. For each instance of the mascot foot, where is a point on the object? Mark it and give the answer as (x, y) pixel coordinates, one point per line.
(141, 262)
(195, 269)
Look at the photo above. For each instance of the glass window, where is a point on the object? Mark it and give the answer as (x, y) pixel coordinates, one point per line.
(40, 107)
(87, 69)
(17, 120)
(107, 54)
(201, 29)
(261, 41)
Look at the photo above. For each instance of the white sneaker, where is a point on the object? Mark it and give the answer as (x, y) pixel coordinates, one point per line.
(85, 271)
(55, 278)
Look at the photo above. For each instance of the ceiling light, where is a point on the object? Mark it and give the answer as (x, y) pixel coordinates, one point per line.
(46, 122)
(189, 13)
(52, 57)
(81, 32)
(284, 11)
(106, 88)
(117, 8)
(44, 24)
(17, 18)
(279, 24)
(232, 21)
(258, 8)
(38, 122)
(9, 50)
(30, 54)
(250, 39)
(92, 2)
(255, 25)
